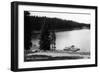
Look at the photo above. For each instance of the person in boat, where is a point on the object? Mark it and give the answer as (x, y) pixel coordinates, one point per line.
(72, 47)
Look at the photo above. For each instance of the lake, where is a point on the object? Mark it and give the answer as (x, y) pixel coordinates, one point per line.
(79, 38)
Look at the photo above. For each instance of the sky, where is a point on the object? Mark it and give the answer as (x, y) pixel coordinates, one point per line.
(78, 17)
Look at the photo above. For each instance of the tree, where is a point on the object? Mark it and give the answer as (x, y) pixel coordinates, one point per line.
(27, 30)
(53, 39)
(44, 38)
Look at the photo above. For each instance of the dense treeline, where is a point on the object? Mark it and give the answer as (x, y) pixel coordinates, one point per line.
(56, 23)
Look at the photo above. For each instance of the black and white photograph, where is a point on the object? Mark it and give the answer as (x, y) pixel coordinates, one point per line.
(52, 36)
(56, 36)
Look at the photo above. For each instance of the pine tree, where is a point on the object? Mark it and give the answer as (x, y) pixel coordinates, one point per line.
(44, 38)
(27, 30)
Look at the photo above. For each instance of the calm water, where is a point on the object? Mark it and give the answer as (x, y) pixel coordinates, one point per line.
(79, 38)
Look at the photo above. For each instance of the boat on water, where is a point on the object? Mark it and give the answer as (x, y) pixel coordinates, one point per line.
(71, 49)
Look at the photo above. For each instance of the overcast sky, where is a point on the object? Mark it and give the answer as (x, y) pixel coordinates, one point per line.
(78, 17)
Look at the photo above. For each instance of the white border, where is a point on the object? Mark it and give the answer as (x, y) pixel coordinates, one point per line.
(22, 64)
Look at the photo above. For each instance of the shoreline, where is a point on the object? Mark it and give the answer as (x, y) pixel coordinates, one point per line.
(55, 55)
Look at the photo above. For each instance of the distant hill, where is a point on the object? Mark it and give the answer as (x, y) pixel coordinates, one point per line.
(57, 24)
